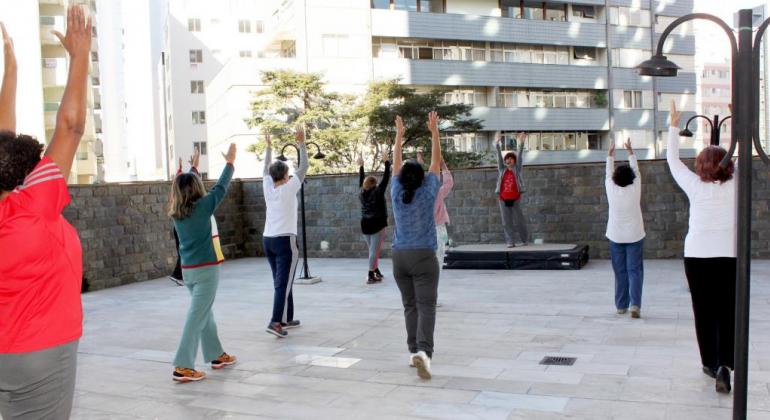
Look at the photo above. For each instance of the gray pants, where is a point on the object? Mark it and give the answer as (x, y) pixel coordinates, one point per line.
(513, 216)
(416, 273)
(374, 243)
(38, 385)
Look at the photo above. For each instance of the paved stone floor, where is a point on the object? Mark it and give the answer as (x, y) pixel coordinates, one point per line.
(349, 359)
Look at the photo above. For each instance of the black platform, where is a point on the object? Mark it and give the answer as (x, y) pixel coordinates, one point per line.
(530, 257)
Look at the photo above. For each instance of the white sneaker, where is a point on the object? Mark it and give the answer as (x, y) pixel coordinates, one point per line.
(422, 362)
(411, 362)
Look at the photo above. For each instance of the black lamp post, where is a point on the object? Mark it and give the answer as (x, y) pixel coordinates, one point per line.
(305, 278)
(745, 133)
(716, 127)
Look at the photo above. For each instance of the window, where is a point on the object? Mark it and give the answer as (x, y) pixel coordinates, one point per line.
(335, 45)
(583, 11)
(288, 49)
(380, 4)
(410, 5)
(511, 8)
(201, 145)
(196, 56)
(556, 12)
(245, 54)
(584, 53)
(244, 26)
(627, 16)
(260, 28)
(199, 117)
(194, 25)
(430, 6)
(632, 99)
(533, 10)
(196, 86)
(94, 56)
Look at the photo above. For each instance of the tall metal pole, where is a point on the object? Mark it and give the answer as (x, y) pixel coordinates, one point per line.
(742, 123)
(305, 274)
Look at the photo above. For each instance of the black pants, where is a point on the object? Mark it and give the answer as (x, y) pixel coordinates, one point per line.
(177, 274)
(712, 287)
(416, 273)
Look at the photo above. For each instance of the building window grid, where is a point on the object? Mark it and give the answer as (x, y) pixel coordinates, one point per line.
(632, 99)
(196, 86)
(196, 56)
(554, 141)
(199, 117)
(244, 26)
(201, 146)
(424, 6)
(194, 25)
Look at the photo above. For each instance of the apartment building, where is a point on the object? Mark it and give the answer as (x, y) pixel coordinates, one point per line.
(43, 69)
(714, 99)
(562, 71)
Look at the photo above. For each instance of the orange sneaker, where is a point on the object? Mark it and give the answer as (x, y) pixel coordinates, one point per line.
(187, 375)
(222, 361)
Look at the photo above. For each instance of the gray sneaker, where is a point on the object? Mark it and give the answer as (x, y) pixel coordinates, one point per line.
(636, 312)
(622, 311)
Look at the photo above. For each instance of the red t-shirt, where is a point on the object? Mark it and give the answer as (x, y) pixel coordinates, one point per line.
(41, 268)
(509, 190)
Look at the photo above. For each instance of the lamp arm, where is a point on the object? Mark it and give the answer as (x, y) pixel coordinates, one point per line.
(283, 149)
(318, 148)
(755, 74)
(699, 116)
(719, 127)
(692, 16)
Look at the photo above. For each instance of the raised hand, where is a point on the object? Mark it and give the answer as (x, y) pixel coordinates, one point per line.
(196, 158)
(611, 152)
(676, 116)
(399, 126)
(9, 54)
(360, 160)
(77, 41)
(433, 121)
(268, 138)
(299, 134)
(498, 137)
(520, 139)
(230, 156)
(628, 147)
(384, 157)
(180, 164)
(420, 159)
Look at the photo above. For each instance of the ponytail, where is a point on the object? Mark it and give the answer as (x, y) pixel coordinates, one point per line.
(411, 177)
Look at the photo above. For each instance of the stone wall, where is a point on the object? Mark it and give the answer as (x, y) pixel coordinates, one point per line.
(126, 234)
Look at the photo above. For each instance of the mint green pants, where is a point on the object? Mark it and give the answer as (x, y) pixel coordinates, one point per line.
(199, 326)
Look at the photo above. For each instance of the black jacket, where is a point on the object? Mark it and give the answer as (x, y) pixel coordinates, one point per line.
(374, 209)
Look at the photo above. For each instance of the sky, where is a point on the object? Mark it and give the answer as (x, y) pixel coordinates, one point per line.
(711, 43)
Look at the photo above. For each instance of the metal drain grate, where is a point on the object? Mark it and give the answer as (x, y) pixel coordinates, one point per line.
(558, 361)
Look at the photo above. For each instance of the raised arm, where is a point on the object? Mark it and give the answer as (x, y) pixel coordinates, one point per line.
(435, 144)
(610, 167)
(521, 138)
(499, 154)
(268, 154)
(361, 174)
(71, 118)
(215, 196)
(632, 161)
(681, 173)
(383, 185)
(397, 162)
(8, 88)
(447, 181)
(304, 164)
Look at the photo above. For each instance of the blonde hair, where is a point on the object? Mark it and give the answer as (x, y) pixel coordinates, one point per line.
(186, 190)
(369, 182)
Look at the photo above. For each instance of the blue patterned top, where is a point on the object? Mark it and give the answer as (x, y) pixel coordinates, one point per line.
(415, 222)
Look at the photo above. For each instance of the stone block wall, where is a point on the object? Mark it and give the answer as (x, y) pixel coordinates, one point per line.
(126, 234)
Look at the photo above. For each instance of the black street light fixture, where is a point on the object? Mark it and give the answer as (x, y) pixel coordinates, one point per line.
(715, 124)
(305, 278)
(745, 101)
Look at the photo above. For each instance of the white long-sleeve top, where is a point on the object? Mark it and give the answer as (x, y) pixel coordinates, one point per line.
(713, 221)
(625, 224)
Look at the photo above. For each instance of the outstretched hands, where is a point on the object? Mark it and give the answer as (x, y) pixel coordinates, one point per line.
(195, 158)
(628, 147)
(420, 159)
(9, 54)
(299, 134)
(676, 116)
(77, 41)
(360, 160)
(611, 152)
(230, 156)
(399, 127)
(433, 122)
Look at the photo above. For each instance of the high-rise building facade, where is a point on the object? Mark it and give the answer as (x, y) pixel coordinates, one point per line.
(562, 71)
(715, 81)
(43, 69)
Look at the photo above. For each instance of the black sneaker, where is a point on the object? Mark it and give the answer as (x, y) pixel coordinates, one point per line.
(179, 282)
(276, 329)
(378, 275)
(712, 372)
(723, 380)
(371, 279)
(291, 324)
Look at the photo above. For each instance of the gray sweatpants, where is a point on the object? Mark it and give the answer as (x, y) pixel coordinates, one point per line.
(38, 385)
(374, 243)
(513, 216)
(416, 273)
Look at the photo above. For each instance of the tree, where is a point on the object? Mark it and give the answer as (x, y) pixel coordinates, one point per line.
(385, 100)
(332, 120)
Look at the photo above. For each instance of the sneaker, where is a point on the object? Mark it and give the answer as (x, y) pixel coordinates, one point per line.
(622, 311)
(222, 361)
(712, 372)
(422, 362)
(371, 278)
(291, 324)
(511, 245)
(636, 312)
(185, 375)
(179, 282)
(378, 275)
(723, 380)
(411, 356)
(276, 329)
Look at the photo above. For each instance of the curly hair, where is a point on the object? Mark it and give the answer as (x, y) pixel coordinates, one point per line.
(707, 165)
(623, 176)
(511, 155)
(19, 154)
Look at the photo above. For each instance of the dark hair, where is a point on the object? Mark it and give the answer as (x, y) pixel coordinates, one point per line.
(707, 165)
(278, 170)
(411, 177)
(186, 190)
(623, 176)
(19, 154)
(510, 155)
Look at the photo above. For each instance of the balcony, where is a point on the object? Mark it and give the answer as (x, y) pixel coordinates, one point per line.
(480, 73)
(546, 119)
(401, 24)
(48, 24)
(54, 72)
